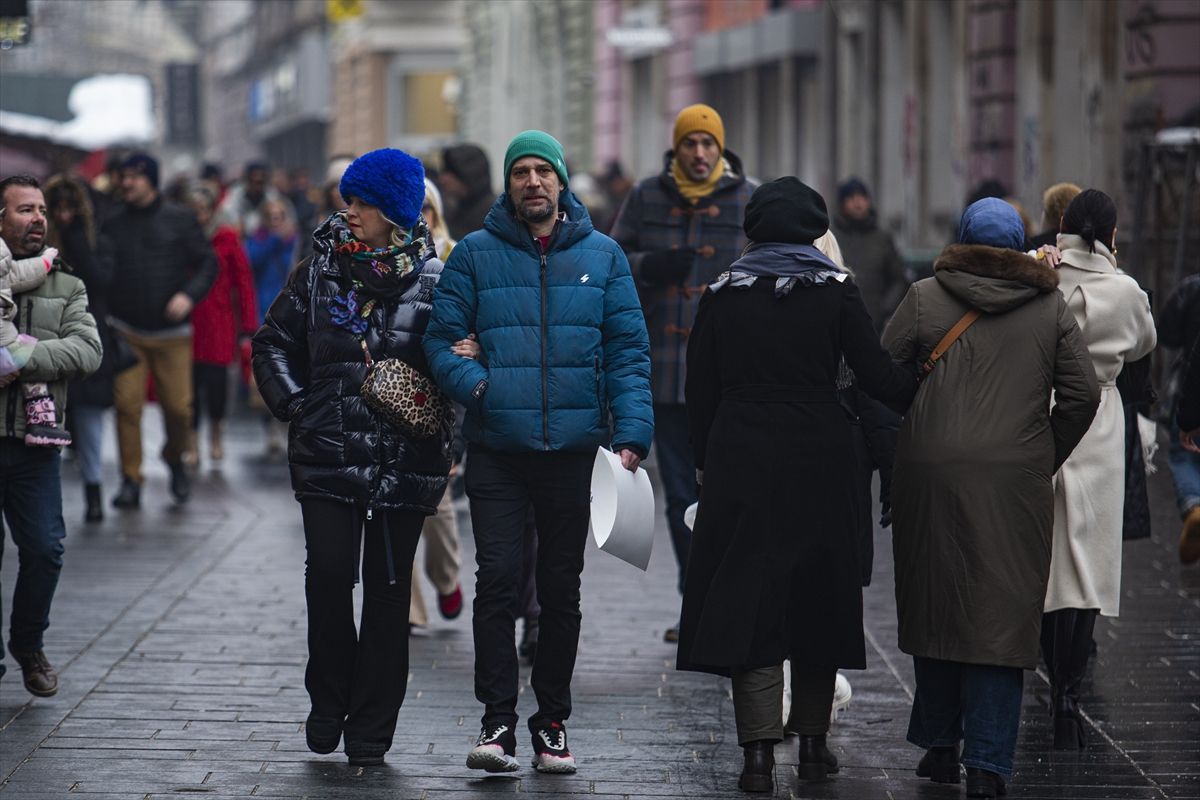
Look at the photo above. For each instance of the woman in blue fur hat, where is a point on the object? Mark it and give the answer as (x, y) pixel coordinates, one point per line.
(365, 485)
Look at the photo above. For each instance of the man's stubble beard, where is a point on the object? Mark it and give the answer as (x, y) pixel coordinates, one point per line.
(536, 216)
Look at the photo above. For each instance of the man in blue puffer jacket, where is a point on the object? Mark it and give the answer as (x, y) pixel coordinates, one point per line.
(537, 330)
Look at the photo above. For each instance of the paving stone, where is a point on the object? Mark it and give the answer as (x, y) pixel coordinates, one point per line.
(180, 639)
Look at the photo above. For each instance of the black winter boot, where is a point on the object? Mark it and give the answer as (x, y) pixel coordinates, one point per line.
(816, 762)
(981, 783)
(758, 769)
(1067, 647)
(940, 765)
(130, 495)
(95, 505)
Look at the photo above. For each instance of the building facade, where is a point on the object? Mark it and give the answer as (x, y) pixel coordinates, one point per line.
(528, 64)
(396, 78)
(923, 99)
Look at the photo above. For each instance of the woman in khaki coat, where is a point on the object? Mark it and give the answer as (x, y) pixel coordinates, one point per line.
(1089, 491)
(973, 498)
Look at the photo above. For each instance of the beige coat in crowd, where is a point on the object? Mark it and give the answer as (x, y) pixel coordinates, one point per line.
(1089, 490)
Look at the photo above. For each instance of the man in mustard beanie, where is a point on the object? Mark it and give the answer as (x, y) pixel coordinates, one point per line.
(681, 229)
(537, 331)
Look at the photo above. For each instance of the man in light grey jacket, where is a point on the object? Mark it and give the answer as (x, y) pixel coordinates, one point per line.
(68, 347)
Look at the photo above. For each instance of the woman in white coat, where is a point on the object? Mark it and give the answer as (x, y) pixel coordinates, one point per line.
(1089, 490)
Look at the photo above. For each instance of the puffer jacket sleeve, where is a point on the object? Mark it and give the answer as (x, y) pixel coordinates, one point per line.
(455, 302)
(627, 361)
(201, 258)
(280, 348)
(26, 274)
(1076, 392)
(76, 353)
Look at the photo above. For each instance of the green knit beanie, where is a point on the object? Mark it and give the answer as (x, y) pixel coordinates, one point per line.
(535, 143)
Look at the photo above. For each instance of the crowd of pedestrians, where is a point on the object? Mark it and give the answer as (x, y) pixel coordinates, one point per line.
(407, 327)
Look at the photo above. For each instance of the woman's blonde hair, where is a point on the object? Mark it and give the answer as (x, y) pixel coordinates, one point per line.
(827, 243)
(442, 240)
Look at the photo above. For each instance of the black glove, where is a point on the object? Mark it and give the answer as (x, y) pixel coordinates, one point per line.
(667, 267)
(885, 514)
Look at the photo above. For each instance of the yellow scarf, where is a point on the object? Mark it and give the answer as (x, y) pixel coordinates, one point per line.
(692, 190)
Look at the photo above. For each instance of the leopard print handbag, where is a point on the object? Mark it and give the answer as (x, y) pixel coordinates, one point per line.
(404, 397)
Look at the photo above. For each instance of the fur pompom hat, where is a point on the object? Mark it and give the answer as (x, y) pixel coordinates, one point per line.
(389, 179)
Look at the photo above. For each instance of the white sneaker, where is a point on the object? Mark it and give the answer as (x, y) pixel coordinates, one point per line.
(550, 753)
(494, 751)
(841, 697)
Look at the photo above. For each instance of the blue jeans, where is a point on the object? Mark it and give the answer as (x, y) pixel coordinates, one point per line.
(31, 506)
(1185, 469)
(975, 703)
(673, 451)
(87, 426)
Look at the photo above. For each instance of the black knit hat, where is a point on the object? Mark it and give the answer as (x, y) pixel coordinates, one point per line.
(145, 164)
(786, 210)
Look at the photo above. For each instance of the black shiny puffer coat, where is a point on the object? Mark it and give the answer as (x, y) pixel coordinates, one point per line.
(310, 371)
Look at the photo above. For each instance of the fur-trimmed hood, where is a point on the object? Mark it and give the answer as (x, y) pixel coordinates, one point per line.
(992, 279)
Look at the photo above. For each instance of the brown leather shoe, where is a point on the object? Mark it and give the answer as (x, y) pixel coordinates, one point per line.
(40, 678)
(1189, 539)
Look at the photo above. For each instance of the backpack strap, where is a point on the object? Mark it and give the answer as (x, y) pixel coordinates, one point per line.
(950, 338)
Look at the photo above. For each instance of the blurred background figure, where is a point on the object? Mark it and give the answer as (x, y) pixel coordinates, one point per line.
(271, 247)
(303, 198)
(213, 177)
(466, 183)
(1179, 327)
(164, 265)
(243, 205)
(869, 251)
(435, 218)
(228, 311)
(1055, 200)
(73, 232)
(440, 531)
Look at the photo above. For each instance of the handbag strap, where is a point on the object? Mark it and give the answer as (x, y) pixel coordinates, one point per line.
(366, 353)
(960, 327)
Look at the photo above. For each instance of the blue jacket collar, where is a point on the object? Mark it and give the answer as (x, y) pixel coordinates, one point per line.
(502, 221)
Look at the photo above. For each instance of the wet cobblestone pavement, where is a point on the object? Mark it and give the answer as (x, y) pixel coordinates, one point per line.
(180, 640)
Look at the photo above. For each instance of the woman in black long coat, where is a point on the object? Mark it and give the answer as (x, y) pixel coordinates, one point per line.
(774, 569)
(364, 485)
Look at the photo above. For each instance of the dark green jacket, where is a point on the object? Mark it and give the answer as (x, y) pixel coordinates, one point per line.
(973, 492)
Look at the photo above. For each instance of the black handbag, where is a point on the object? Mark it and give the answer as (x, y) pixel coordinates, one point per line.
(123, 355)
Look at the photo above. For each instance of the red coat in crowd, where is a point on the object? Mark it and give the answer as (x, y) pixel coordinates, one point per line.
(214, 326)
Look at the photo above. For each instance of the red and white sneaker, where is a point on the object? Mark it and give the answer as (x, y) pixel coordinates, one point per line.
(550, 753)
(495, 750)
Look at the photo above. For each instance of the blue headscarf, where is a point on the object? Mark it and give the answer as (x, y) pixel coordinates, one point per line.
(992, 222)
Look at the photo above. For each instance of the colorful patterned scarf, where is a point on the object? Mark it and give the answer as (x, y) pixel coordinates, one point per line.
(374, 273)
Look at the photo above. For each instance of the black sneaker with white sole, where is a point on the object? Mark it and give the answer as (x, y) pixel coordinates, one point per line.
(550, 753)
(495, 750)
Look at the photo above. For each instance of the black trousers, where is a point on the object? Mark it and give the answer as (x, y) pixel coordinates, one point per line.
(502, 487)
(211, 390)
(361, 677)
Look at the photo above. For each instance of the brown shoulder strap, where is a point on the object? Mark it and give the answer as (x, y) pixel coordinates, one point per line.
(950, 338)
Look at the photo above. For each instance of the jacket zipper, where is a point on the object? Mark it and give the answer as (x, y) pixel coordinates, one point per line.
(378, 451)
(599, 402)
(545, 378)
